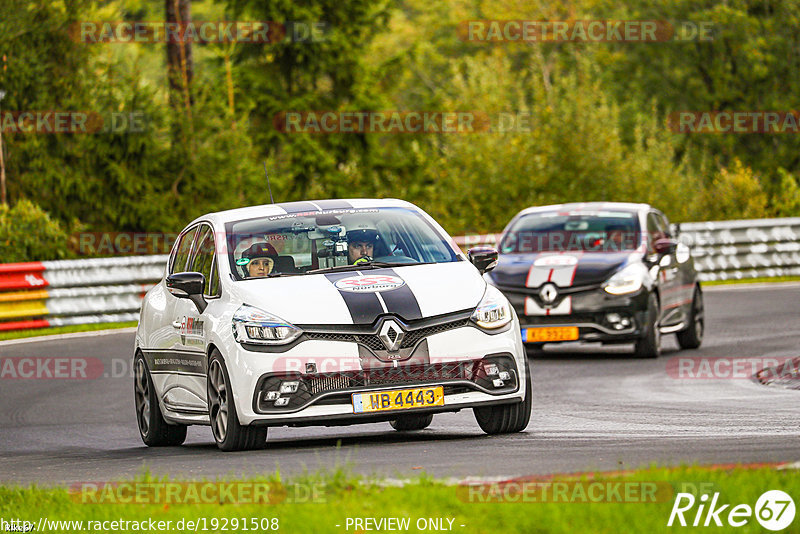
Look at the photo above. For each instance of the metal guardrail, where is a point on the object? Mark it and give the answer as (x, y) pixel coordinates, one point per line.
(54, 293)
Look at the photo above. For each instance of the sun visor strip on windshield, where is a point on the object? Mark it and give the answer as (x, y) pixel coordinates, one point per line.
(364, 307)
(401, 300)
(304, 206)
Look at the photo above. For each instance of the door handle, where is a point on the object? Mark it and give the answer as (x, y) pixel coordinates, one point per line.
(176, 324)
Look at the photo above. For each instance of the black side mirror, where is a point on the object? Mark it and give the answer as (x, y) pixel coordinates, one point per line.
(484, 258)
(665, 246)
(188, 286)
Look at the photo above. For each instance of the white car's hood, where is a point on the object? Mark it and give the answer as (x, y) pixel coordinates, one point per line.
(411, 292)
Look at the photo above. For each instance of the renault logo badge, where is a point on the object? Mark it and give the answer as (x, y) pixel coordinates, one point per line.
(548, 293)
(391, 334)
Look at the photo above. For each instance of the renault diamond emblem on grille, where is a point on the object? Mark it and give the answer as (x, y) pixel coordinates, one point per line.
(391, 335)
(548, 293)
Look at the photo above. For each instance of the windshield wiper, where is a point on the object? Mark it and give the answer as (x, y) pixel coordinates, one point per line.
(366, 265)
(345, 268)
(278, 275)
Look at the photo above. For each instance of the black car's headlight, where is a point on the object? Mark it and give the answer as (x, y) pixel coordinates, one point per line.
(494, 311)
(627, 280)
(253, 325)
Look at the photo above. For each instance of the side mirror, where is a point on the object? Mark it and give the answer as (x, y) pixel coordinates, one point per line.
(188, 286)
(484, 258)
(665, 246)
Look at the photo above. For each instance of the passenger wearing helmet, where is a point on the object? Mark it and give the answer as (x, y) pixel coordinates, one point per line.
(260, 259)
(361, 244)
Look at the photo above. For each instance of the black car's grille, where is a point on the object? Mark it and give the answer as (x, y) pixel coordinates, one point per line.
(372, 341)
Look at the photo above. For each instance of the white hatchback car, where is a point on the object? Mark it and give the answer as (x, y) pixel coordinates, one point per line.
(332, 312)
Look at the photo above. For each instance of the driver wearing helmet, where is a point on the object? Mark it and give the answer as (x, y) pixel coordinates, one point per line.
(261, 259)
(361, 244)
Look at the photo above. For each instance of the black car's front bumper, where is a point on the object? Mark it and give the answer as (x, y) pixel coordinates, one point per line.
(591, 309)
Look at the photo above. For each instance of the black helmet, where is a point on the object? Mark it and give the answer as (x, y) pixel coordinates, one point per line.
(260, 250)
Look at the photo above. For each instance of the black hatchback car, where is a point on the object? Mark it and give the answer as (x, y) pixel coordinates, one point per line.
(601, 272)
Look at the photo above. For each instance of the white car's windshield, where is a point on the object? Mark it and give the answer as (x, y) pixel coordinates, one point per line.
(598, 231)
(328, 240)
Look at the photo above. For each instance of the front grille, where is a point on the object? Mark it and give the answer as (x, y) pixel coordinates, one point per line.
(575, 318)
(374, 343)
(390, 376)
(335, 388)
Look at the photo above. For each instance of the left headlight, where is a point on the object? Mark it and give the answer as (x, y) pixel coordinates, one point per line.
(253, 325)
(493, 311)
(626, 280)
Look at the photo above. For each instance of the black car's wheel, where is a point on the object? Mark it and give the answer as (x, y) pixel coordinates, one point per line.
(649, 345)
(507, 418)
(229, 434)
(411, 422)
(692, 337)
(153, 429)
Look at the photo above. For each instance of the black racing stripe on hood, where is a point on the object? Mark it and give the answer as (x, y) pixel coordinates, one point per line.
(364, 307)
(298, 207)
(402, 300)
(334, 204)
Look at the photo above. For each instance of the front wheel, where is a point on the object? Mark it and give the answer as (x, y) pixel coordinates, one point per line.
(649, 345)
(153, 429)
(411, 422)
(229, 434)
(692, 337)
(507, 418)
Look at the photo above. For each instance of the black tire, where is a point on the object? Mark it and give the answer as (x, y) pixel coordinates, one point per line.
(406, 423)
(649, 345)
(692, 337)
(228, 433)
(507, 418)
(153, 429)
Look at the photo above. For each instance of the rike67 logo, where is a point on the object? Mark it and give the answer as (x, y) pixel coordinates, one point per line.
(774, 510)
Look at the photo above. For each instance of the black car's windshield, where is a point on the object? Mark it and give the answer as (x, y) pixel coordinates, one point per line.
(333, 240)
(558, 231)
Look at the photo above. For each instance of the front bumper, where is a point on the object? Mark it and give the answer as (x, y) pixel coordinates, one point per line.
(330, 370)
(587, 308)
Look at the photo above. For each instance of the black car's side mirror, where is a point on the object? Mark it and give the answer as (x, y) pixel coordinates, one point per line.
(484, 258)
(188, 286)
(665, 246)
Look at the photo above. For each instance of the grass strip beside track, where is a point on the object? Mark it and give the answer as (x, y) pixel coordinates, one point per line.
(761, 280)
(19, 334)
(320, 502)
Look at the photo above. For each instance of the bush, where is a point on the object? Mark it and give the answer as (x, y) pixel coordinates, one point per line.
(27, 233)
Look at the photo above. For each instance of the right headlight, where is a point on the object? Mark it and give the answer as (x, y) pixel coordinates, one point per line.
(494, 311)
(254, 325)
(627, 280)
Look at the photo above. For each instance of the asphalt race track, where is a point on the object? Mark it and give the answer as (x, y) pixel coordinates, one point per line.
(593, 409)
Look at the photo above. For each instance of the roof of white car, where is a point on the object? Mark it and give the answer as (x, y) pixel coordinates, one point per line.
(284, 208)
(588, 206)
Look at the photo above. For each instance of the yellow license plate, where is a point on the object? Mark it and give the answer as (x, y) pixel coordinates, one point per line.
(398, 399)
(551, 333)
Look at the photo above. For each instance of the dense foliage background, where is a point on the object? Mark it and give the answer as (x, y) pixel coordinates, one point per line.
(597, 113)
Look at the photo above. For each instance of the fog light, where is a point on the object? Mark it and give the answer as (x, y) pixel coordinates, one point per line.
(289, 387)
(283, 401)
(505, 375)
(490, 368)
(271, 395)
(625, 322)
(311, 367)
(613, 318)
(498, 383)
